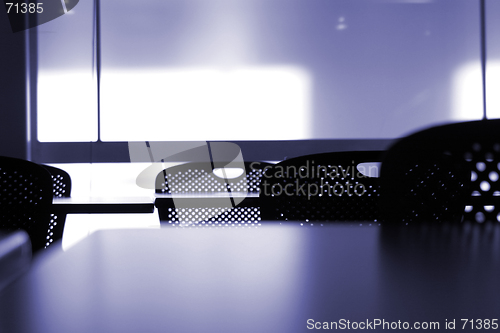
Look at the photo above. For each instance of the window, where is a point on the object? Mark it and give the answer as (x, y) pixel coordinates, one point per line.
(259, 71)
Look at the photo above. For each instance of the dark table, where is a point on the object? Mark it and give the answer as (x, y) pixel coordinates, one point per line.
(270, 278)
(102, 205)
(208, 199)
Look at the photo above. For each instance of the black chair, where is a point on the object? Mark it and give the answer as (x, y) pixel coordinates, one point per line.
(61, 188)
(199, 179)
(25, 199)
(337, 186)
(444, 173)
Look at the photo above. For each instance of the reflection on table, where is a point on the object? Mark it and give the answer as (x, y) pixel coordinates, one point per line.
(280, 277)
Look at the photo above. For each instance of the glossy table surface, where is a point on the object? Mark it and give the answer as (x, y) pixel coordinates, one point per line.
(269, 278)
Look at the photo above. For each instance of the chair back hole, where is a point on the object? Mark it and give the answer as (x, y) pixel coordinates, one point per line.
(369, 169)
(228, 173)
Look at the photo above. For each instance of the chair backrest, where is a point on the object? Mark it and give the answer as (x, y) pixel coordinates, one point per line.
(61, 182)
(444, 173)
(199, 178)
(61, 188)
(25, 198)
(192, 178)
(337, 186)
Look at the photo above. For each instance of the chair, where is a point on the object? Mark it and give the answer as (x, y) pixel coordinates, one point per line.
(198, 178)
(61, 188)
(337, 186)
(25, 199)
(444, 173)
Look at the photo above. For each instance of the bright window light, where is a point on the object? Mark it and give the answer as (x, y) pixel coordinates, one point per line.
(469, 92)
(492, 89)
(67, 107)
(266, 103)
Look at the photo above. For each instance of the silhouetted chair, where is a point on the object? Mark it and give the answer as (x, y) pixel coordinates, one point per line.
(323, 187)
(444, 173)
(61, 188)
(25, 199)
(193, 179)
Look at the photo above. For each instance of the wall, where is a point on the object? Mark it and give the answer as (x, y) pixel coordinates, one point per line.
(13, 140)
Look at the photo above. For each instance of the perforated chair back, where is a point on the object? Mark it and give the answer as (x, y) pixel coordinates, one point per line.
(61, 188)
(444, 173)
(198, 178)
(25, 198)
(323, 187)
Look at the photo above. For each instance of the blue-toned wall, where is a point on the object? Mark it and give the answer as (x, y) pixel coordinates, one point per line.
(12, 91)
